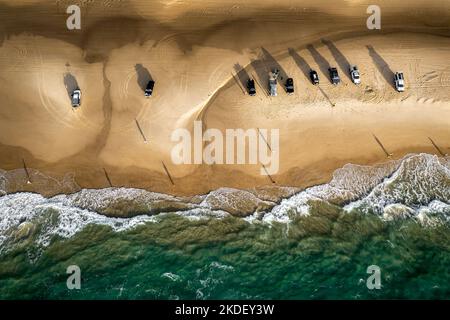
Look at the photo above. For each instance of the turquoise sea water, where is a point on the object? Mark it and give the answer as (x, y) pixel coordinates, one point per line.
(320, 255)
(324, 256)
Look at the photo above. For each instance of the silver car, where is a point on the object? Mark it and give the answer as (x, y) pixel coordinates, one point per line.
(354, 74)
(76, 98)
(273, 82)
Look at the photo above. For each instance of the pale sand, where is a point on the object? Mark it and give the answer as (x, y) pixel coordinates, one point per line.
(191, 50)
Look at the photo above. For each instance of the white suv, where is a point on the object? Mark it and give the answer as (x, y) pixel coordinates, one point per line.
(399, 81)
(354, 74)
(76, 98)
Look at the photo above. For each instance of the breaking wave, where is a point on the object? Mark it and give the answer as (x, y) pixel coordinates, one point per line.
(417, 186)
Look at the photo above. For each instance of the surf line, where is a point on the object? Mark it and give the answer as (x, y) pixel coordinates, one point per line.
(235, 146)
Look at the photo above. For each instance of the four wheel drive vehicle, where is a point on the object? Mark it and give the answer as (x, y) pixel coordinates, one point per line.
(273, 82)
(251, 87)
(149, 89)
(314, 77)
(334, 76)
(399, 81)
(76, 98)
(289, 85)
(354, 74)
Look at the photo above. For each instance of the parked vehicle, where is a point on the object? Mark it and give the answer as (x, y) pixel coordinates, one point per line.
(149, 89)
(76, 98)
(354, 74)
(251, 87)
(314, 77)
(273, 82)
(289, 86)
(399, 81)
(334, 76)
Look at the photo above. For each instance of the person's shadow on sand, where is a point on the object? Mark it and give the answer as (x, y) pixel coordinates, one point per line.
(143, 76)
(71, 84)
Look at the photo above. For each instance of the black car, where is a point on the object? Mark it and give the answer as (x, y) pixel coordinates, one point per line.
(334, 76)
(149, 88)
(314, 77)
(289, 85)
(251, 87)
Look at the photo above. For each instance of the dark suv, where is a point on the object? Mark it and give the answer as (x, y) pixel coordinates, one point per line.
(149, 89)
(314, 76)
(289, 85)
(334, 76)
(251, 87)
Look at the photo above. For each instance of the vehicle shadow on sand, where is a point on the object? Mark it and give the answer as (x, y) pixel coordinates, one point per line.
(242, 76)
(71, 84)
(143, 76)
(263, 66)
(341, 60)
(320, 61)
(271, 64)
(382, 66)
(301, 63)
(262, 74)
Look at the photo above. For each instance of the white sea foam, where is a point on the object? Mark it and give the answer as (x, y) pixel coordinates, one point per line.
(433, 213)
(397, 189)
(417, 186)
(221, 266)
(234, 201)
(202, 213)
(418, 181)
(53, 217)
(172, 276)
(97, 199)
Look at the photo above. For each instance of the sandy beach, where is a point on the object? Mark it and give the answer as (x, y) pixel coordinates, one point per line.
(199, 53)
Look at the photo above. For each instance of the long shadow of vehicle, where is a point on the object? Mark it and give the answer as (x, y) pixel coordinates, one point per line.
(271, 64)
(143, 76)
(320, 60)
(262, 74)
(242, 75)
(71, 84)
(263, 66)
(301, 63)
(382, 66)
(341, 60)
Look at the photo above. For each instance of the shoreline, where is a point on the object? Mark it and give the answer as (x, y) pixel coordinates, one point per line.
(49, 184)
(388, 190)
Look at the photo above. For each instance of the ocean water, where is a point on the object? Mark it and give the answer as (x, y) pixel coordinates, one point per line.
(280, 243)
